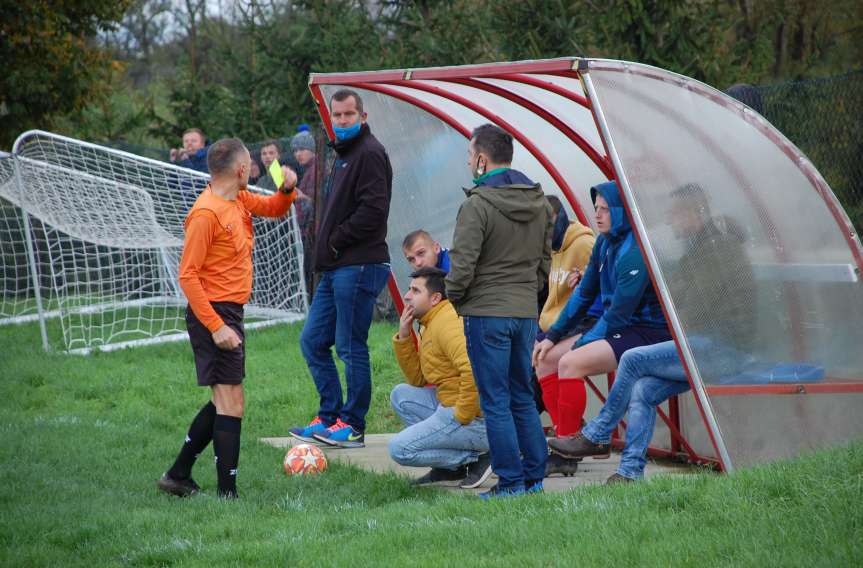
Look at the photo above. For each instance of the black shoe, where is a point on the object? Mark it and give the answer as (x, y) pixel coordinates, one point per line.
(178, 487)
(436, 474)
(560, 465)
(477, 472)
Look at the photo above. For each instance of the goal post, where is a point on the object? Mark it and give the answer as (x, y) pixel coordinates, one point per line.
(91, 243)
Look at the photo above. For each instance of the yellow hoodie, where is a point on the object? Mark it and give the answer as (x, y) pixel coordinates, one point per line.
(574, 253)
(441, 361)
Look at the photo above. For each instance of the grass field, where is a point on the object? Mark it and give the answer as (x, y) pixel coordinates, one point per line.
(84, 439)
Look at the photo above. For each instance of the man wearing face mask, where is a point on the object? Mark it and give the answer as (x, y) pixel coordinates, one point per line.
(498, 262)
(352, 258)
(216, 277)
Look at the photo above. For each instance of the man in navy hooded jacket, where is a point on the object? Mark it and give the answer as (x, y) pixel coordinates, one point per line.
(632, 315)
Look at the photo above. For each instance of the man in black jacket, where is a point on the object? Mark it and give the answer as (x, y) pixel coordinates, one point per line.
(352, 256)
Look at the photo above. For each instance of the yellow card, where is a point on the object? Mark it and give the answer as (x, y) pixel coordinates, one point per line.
(276, 174)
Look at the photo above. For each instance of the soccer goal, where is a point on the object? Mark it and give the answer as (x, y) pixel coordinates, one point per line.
(90, 241)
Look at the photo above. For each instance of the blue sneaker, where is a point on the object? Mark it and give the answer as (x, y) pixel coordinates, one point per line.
(496, 492)
(306, 433)
(533, 487)
(341, 435)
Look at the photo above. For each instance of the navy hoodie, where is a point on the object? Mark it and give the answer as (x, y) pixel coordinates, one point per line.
(617, 274)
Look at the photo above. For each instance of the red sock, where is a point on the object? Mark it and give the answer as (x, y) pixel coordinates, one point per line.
(571, 404)
(549, 386)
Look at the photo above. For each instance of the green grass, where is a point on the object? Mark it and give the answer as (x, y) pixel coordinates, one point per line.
(84, 438)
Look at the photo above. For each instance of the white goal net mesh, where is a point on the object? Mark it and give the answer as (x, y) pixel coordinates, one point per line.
(90, 240)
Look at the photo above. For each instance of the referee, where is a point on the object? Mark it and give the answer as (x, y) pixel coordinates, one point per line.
(216, 276)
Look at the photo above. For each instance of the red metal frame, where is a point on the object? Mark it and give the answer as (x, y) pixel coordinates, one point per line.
(829, 386)
(546, 86)
(600, 161)
(514, 132)
(673, 428)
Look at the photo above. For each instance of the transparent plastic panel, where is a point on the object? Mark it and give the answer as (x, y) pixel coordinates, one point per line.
(430, 169)
(574, 166)
(761, 277)
(579, 118)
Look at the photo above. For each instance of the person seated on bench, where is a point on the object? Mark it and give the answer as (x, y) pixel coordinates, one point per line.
(713, 272)
(632, 316)
(421, 250)
(571, 245)
(445, 428)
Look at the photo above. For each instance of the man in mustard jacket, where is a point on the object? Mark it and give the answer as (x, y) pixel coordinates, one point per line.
(445, 428)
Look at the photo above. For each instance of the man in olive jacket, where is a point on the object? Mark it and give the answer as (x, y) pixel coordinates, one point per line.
(499, 259)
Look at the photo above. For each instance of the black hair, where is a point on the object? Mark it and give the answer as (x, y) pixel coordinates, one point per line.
(434, 278)
(343, 94)
(494, 142)
(555, 202)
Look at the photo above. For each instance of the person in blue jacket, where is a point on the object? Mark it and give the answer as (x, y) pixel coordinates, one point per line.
(632, 315)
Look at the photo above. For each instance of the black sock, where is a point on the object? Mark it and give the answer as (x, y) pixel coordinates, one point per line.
(199, 436)
(226, 444)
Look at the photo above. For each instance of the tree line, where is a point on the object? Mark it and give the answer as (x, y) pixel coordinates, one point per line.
(142, 71)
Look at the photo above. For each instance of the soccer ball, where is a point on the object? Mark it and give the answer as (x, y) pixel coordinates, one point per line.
(305, 459)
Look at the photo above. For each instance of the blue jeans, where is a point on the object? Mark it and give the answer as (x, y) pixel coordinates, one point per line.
(340, 315)
(499, 350)
(433, 437)
(646, 377)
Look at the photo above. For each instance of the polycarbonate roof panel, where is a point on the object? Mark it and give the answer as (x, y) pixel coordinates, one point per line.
(759, 273)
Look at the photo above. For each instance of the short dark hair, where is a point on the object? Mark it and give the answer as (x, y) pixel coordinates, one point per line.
(555, 202)
(343, 94)
(272, 143)
(494, 142)
(694, 196)
(222, 155)
(414, 236)
(434, 278)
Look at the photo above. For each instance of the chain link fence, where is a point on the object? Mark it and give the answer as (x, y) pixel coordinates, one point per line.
(824, 118)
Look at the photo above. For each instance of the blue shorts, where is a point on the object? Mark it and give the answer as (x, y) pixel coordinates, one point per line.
(636, 336)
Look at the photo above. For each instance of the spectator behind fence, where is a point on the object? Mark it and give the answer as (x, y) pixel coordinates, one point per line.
(632, 315)
(713, 272)
(421, 251)
(303, 149)
(193, 154)
(499, 259)
(270, 151)
(352, 258)
(444, 427)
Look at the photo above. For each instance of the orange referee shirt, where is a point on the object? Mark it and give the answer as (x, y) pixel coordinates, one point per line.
(217, 251)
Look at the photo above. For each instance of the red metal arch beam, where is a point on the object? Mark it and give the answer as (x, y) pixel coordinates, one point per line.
(598, 159)
(547, 86)
(514, 132)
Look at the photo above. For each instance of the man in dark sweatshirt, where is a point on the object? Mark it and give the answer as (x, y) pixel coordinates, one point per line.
(500, 257)
(352, 256)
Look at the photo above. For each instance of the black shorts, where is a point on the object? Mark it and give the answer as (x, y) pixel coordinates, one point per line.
(636, 336)
(213, 365)
(585, 324)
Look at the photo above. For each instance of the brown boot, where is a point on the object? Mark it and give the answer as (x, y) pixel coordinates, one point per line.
(577, 446)
(618, 479)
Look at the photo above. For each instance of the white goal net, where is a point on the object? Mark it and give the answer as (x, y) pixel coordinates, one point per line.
(90, 242)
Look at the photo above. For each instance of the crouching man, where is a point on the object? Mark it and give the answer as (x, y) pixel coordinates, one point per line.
(445, 429)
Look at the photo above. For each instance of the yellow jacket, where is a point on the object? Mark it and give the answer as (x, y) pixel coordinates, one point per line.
(574, 253)
(441, 361)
